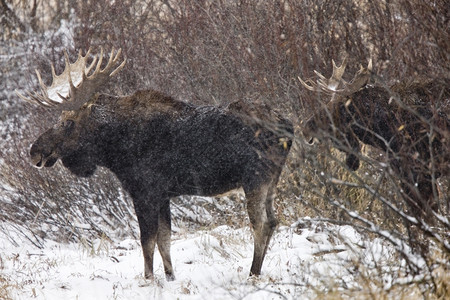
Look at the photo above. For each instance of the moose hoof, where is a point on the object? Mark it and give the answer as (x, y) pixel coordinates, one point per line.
(170, 277)
(149, 276)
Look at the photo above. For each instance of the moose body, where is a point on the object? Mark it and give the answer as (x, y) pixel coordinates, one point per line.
(161, 148)
(400, 121)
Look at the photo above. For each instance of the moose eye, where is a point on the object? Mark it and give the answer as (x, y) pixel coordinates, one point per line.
(68, 126)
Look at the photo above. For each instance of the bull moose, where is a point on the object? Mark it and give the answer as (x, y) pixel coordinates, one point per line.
(160, 148)
(401, 120)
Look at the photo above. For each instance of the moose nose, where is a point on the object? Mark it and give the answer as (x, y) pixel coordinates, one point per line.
(37, 162)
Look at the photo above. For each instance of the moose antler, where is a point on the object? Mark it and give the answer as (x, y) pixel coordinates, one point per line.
(74, 86)
(335, 84)
(326, 85)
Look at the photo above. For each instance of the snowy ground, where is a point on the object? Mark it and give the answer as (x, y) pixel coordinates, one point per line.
(210, 264)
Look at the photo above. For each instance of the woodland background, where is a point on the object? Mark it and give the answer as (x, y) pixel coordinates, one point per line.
(216, 52)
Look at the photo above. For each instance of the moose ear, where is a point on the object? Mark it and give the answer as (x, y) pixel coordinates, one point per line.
(352, 162)
(98, 113)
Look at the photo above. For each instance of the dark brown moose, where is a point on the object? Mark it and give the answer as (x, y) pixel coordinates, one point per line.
(161, 148)
(400, 120)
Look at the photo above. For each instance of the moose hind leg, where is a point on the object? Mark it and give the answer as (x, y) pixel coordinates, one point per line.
(148, 225)
(263, 222)
(419, 196)
(163, 240)
(271, 218)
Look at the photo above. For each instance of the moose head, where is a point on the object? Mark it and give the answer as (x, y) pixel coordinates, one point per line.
(71, 92)
(329, 118)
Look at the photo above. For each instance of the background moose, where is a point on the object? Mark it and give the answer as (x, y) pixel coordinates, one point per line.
(398, 120)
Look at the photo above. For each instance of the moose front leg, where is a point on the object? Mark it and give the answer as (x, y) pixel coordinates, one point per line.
(148, 218)
(419, 194)
(352, 148)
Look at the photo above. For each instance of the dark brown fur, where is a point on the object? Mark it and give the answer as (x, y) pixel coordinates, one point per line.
(161, 148)
(414, 133)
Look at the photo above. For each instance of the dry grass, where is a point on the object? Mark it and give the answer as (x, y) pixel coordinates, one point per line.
(5, 287)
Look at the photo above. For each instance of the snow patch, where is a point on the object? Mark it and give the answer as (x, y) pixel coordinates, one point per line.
(208, 264)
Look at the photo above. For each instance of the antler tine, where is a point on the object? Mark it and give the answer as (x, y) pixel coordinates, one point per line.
(30, 99)
(311, 86)
(41, 83)
(321, 77)
(120, 67)
(92, 64)
(339, 71)
(53, 70)
(111, 58)
(69, 75)
(118, 54)
(362, 76)
(99, 63)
